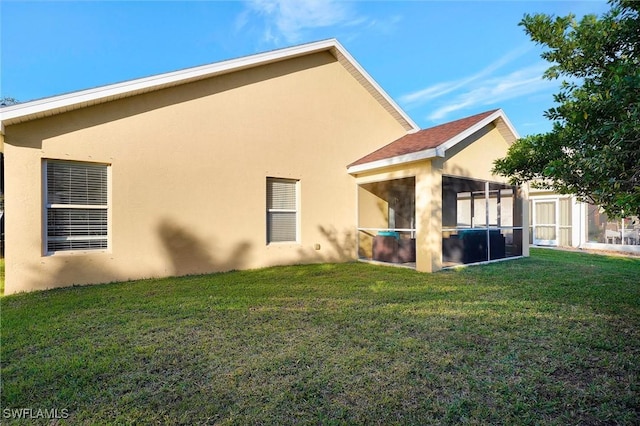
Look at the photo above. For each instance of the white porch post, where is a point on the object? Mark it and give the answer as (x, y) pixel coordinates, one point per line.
(523, 198)
(578, 222)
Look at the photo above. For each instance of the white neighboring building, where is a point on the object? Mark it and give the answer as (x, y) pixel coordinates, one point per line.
(562, 221)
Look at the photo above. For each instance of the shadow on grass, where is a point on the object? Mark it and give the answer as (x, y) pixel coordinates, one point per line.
(335, 344)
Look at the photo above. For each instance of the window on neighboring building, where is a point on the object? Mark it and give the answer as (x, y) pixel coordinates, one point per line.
(282, 210)
(76, 206)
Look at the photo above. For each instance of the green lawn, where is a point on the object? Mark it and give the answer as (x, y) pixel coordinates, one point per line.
(552, 339)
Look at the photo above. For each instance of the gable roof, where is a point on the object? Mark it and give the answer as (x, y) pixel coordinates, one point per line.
(58, 104)
(433, 142)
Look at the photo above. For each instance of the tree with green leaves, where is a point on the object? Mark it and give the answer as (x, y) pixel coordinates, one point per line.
(593, 149)
(7, 101)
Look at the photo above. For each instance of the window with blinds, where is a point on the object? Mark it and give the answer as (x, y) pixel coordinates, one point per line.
(282, 213)
(76, 206)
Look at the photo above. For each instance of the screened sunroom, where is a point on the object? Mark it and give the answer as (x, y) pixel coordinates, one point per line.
(430, 201)
(563, 221)
(386, 221)
(481, 221)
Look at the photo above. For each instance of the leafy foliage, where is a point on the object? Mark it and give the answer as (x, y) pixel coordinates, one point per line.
(593, 150)
(8, 101)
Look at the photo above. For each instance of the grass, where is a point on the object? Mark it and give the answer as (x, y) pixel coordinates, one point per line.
(553, 339)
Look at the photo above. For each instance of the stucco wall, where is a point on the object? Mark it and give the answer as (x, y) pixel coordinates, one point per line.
(474, 156)
(188, 173)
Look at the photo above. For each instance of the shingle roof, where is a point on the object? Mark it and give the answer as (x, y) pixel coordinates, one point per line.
(424, 139)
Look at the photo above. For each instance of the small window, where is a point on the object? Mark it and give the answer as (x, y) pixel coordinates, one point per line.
(282, 210)
(76, 206)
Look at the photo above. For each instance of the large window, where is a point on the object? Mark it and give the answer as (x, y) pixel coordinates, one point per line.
(76, 206)
(282, 210)
(605, 230)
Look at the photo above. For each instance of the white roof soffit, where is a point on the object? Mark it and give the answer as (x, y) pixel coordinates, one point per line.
(373, 88)
(58, 104)
(398, 159)
(503, 125)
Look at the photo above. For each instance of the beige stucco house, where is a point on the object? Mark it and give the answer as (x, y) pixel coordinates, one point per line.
(290, 156)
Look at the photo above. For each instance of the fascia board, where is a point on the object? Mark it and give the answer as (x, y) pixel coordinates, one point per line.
(499, 114)
(509, 125)
(469, 131)
(399, 159)
(440, 151)
(370, 80)
(61, 103)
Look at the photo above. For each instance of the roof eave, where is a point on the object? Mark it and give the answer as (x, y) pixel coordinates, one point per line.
(74, 100)
(397, 160)
(62, 103)
(374, 88)
(441, 150)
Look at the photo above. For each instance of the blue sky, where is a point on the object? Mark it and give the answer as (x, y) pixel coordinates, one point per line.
(440, 60)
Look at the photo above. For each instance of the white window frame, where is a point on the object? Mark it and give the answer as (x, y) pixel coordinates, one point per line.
(534, 221)
(48, 206)
(296, 211)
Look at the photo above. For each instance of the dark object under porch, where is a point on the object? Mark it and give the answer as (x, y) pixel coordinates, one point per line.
(394, 250)
(470, 246)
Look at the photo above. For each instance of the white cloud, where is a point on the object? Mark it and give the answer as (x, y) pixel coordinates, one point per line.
(289, 18)
(526, 81)
(431, 92)
(440, 89)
